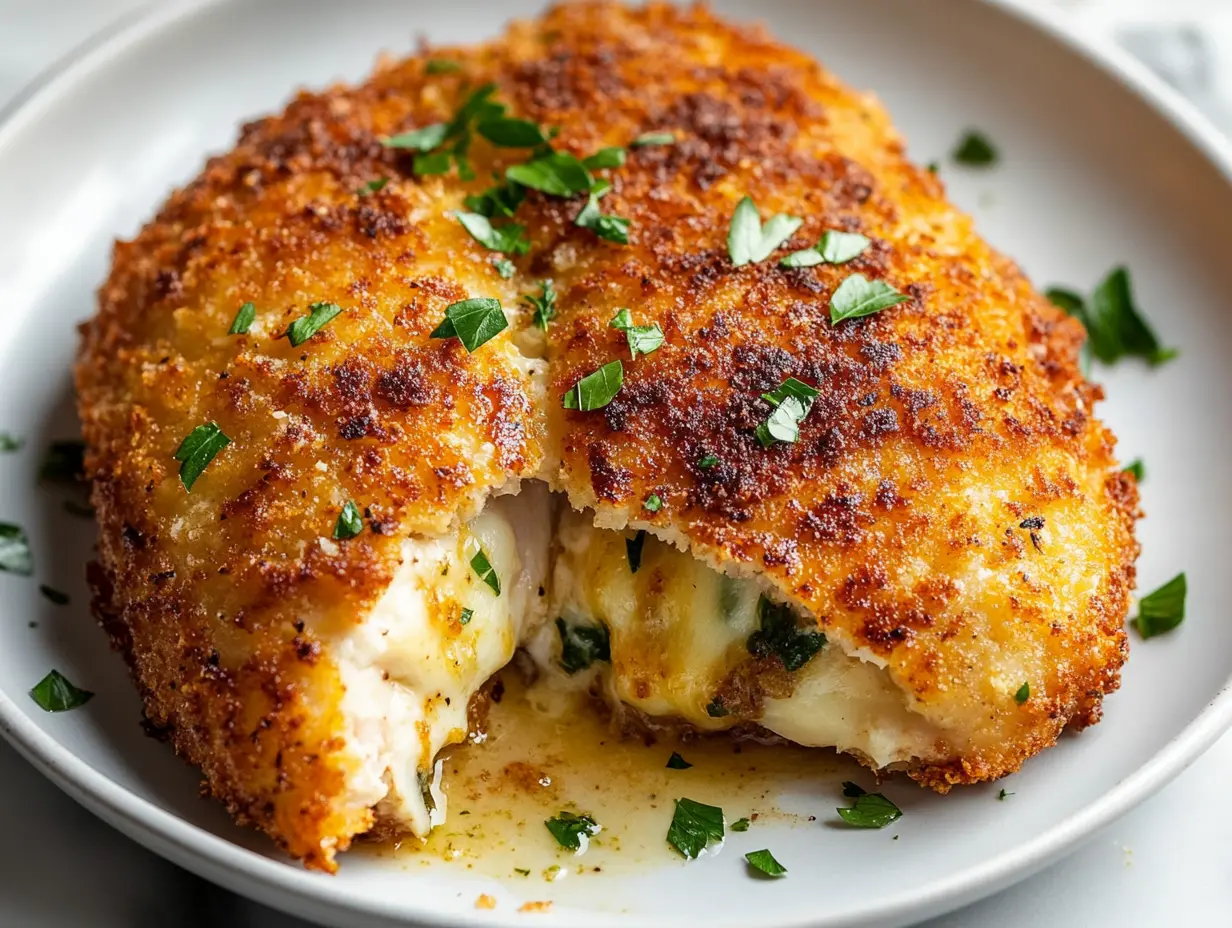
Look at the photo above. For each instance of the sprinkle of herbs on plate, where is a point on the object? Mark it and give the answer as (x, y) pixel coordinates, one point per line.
(597, 389)
(465, 617)
(319, 316)
(485, 571)
(870, 810)
(504, 267)
(781, 635)
(1023, 694)
(857, 296)
(15, 556)
(647, 139)
(373, 186)
(707, 461)
(748, 241)
(1137, 468)
(740, 824)
(975, 150)
(764, 862)
(9, 442)
(244, 318)
(510, 132)
(509, 238)
(1162, 610)
(676, 762)
(612, 157)
(853, 790)
(1003, 795)
(1116, 327)
(834, 248)
(790, 404)
(54, 693)
(350, 522)
(573, 832)
(557, 174)
(53, 595)
(608, 227)
(473, 322)
(442, 66)
(582, 645)
(642, 339)
(543, 305)
(653, 503)
(694, 826)
(423, 139)
(196, 451)
(633, 549)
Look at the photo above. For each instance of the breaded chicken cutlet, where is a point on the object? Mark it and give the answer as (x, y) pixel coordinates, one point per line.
(859, 502)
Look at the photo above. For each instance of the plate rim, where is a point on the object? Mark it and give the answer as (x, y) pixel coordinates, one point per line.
(292, 888)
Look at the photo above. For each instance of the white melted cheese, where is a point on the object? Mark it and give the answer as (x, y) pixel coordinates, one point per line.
(411, 669)
(678, 629)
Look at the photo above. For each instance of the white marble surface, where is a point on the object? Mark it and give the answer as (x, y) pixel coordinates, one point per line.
(1168, 861)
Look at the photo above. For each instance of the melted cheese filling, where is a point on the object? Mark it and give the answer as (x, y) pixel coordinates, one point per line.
(679, 646)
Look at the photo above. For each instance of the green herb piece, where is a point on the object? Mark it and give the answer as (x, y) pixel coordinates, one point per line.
(501, 200)
(748, 241)
(15, 556)
(764, 861)
(642, 339)
(653, 503)
(853, 790)
(521, 871)
(429, 165)
(53, 595)
(975, 150)
(1137, 468)
(64, 462)
(605, 158)
(694, 826)
(676, 762)
(646, 139)
(716, 710)
(1162, 610)
(633, 548)
(197, 450)
(423, 139)
(466, 616)
(573, 832)
(508, 132)
(806, 257)
(373, 186)
(443, 66)
(1003, 795)
(740, 824)
(932, 167)
(509, 237)
(582, 645)
(858, 296)
(608, 227)
(350, 522)
(707, 461)
(790, 404)
(319, 315)
(840, 247)
(1023, 694)
(54, 693)
(595, 390)
(9, 442)
(473, 322)
(243, 320)
(505, 268)
(543, 305)
(780, 635)
(1115, 326)
(871, 810)
(485, 571)
(558, 174)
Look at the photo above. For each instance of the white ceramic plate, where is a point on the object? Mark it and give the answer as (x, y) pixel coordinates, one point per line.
(1101, 165)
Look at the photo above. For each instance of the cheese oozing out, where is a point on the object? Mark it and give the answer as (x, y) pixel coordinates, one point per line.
(672, 640)
(435, 637)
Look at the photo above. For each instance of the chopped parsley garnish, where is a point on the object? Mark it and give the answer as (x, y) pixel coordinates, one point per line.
(15, 556)
(707, 461)
(595, 390)
(543, 305)
(501, 200)
(646, 139)
(858, 296)
(243, 320)
(1162, 610)
(676, 762)
(53, 595)
(582, 645)
(319, 315)
(54, 693)
(748, 241)
(428, 165)
(473, 322)
(9, 442)
(605, 158)
(509, 132)
(608, 227)
(780, 635)
(871, 810)
(197, 450)
(476, 109)
(442, 66)
(1115, 326)
(504, 267)
(521, 871)
(791, 403)
(466, 616)
(694, 826)
(573, 832)
(1003, 795)
(1023, 694)
(350, 522)
(740, 824)
(975, 150)
(633, 548)
(716, 710)
(834, 248)
(64, 461)
(373, 186)
(764, 861)
(643, 339)
(853, 790)
(1137, 468)
(558, 174)
(932, 167)
(653, 503)
(423, 139)
(484, 570)
(509, 238)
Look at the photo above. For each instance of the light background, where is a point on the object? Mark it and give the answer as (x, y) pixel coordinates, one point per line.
(1169, 861)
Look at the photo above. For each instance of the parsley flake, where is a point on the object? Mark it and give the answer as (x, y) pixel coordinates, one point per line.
(53, 595)
(10, 442)
(975, 150)
(748, 241)
(573, 832)
(196, 451)
(557, 174)
(633, 548)
(428, 165)
(243, 320)
(485, 571)
(373, 186)
(543, 305)
(781, 636)
(676, 762)
(350, 522)
(1116, 327)
(707, 461)
(871, 810)
(54, 693)
(653, 503)
(465, 617)
(858, 296)
(740, 824)
(508, 132)
(595, 390)
(509, 238)
(1162, 610)
(1023, 694)
(694, 826)
(764, 862)
(15, 556)
(442, 66)
(504, 267)
(501, 200)
(608, 227)
(834, 248)
(1137, 468)
(605, 158)
(473, 322)
(642, 339)
(1003, 795)
(423, 139)
(319, 315)
(582, 645)
(790, 404)
(647, 139)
